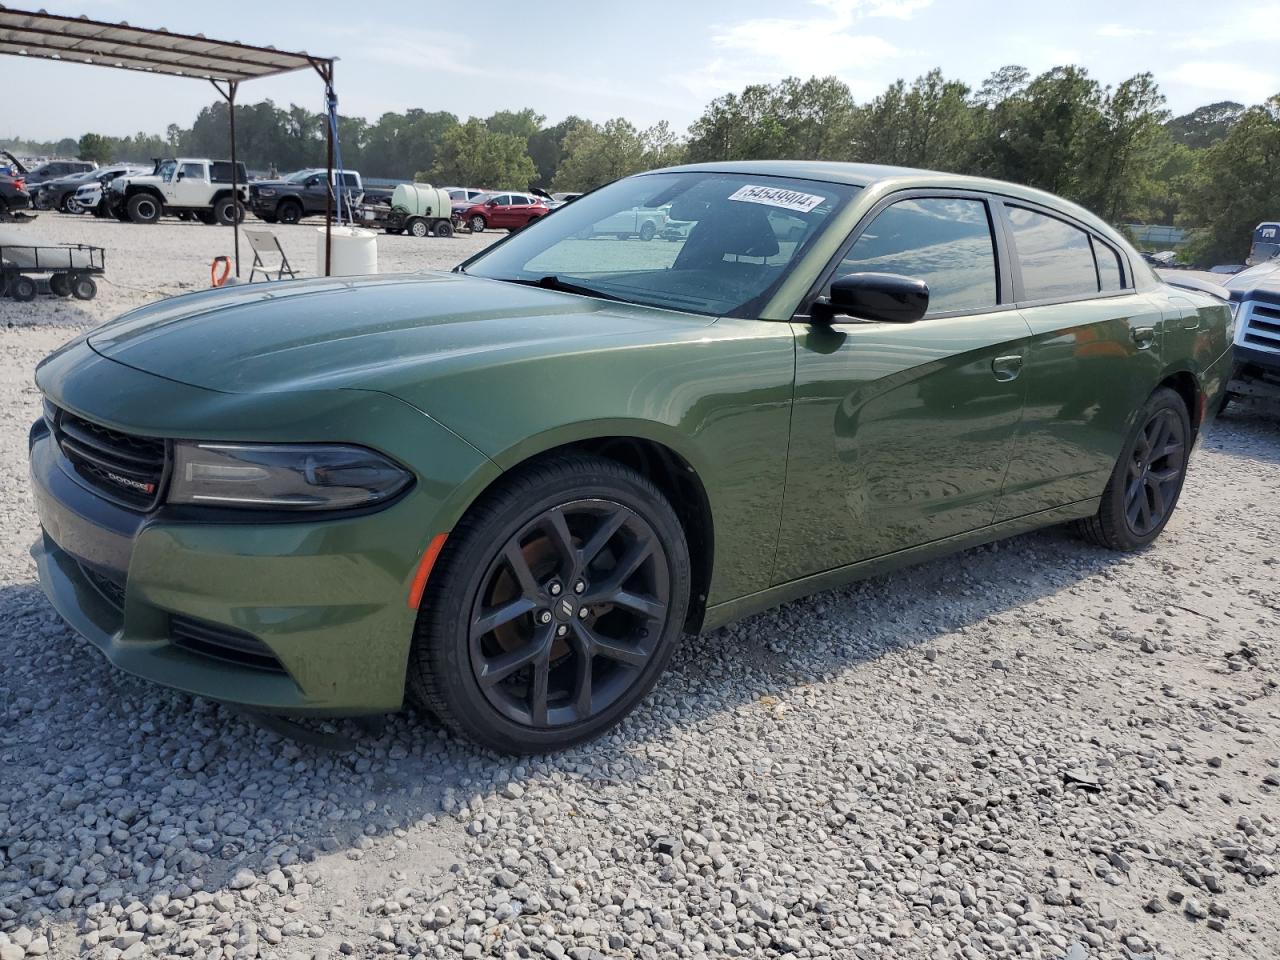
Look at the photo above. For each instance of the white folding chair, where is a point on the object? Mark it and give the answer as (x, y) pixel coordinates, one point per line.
(264, 242)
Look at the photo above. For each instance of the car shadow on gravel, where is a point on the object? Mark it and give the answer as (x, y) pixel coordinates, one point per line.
(170, 787)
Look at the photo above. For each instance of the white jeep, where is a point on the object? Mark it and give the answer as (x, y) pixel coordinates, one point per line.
(188, 188)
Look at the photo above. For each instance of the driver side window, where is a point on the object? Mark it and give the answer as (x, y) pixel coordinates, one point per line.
(944, 241)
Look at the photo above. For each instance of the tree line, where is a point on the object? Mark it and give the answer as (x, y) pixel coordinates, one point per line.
(1116, 150)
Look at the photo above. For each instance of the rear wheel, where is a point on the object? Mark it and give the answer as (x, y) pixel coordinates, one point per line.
(289, 211)
(443, 229)
(60, 285)
(83, 288)
(1147, 480)
(553, 609)
(144, 208)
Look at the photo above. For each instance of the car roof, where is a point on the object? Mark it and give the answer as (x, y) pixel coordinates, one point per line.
(891, 177)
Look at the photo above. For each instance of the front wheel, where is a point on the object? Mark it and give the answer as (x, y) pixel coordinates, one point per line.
(648, 231)
(289, 211)
(419, 228)
(144, 208)
(71, 205)
(477, 224)
(554, 607)
(1147, 480)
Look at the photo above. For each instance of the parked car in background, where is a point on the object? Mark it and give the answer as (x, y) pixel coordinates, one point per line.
(1255, 299)
(504, 211)
(60, 194)
(1266, 243)
(13, 195)
(468, 194)
(636, 222)
(89, 195)
(54, 169)
(518, 483)
(185, 186)
(305, 193)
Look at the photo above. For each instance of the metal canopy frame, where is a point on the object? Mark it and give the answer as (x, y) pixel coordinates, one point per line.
(225, 64)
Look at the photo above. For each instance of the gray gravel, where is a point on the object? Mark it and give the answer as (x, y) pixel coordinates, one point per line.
(1035, 749)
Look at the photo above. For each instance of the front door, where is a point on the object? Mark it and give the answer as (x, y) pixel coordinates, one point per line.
(189, 186)
(901, 433)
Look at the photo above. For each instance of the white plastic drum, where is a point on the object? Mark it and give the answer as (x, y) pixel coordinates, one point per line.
(355, 252)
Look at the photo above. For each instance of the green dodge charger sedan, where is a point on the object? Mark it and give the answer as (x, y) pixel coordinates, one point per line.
(508, 490)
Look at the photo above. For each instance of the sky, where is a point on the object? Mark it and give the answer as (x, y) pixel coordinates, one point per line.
(648, 61)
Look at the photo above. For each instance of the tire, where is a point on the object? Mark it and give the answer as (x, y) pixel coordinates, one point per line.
(647, 230)
(100, 211)
(227, 212)
(443, 229)
(418, 227)
(205, 217)
(477, 224)
(597, 501)
(83, 288)
(69, 205)
(144, 208)
(1143, 490)
(22, 288)
(393, 230)
(289, 211)
(267, 217)
(60, 285)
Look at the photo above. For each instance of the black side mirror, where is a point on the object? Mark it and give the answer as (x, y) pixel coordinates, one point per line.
(886, 297)
(181, 175)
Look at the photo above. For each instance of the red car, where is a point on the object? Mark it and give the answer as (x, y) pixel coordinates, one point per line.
(509, 211)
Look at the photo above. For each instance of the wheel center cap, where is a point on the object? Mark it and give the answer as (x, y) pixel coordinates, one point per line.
(565, 609)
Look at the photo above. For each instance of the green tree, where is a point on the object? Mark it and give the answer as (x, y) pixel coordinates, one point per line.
(1234, 185)
(598, 154)
(519, 123)
(1205, 125)
(546, 149)
(472, 154)
(95, 147)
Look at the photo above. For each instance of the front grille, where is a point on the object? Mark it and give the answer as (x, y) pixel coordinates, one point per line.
(1261, 326)
(126, 467)
(222, 643)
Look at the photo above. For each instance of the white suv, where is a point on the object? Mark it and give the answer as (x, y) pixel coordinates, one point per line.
(186, 187)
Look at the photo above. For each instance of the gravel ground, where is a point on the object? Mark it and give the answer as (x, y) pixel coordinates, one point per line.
(1035, 749)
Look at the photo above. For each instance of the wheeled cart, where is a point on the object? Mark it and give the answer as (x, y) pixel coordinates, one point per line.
(70, 270)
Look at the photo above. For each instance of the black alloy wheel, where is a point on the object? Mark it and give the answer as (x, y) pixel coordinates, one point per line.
(569, 612)
(554, 607)
(1155, 472)
(1147, 479)
(289, 211)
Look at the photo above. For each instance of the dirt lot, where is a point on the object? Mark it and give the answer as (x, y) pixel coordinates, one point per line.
(1034, 749)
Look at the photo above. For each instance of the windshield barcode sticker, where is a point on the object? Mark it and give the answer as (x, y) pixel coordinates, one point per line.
(777, 197)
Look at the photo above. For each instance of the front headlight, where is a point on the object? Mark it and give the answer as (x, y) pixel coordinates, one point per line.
(266, 192)
(303, 476)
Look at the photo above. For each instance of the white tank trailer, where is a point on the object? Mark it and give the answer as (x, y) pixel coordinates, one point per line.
(419, 209)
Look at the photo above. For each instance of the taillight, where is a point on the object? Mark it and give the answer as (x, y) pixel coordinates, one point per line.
(20, 184)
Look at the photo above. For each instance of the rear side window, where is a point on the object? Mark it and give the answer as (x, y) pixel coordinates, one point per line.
(520, 201)
(1056, 258)
(944, 241)
(1110, 273)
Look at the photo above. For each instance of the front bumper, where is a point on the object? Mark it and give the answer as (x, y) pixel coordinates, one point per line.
(307, 615)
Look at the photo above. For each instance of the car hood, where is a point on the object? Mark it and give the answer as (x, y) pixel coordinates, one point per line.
(274, 184)
(369, 333)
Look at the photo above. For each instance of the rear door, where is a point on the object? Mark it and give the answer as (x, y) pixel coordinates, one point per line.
(1093, 359)
(901, 433)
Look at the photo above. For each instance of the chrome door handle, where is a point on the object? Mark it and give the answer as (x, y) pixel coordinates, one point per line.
(1144, 337)
(1007, 368)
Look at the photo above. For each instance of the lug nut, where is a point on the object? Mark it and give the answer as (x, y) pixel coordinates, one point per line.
(554, 588)
(561, 630)
(582, 613)
(580, 586)
(544, 616)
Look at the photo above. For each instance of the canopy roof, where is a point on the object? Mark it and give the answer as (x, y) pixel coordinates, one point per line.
(80, 40)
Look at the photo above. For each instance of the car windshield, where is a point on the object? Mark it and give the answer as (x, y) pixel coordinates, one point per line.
(714, 243)
(167, 169)
(299, 176)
